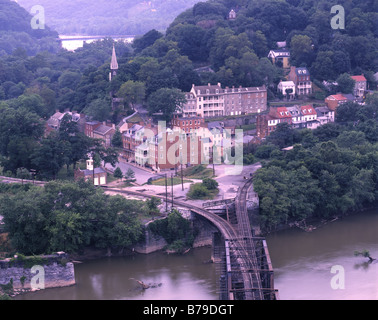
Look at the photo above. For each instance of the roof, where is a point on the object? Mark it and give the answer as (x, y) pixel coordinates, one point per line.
(338, 97)
(209, 89)
(302, 71)
(323, 109)
(308, 110)
(280, 112)
(279, 53)
(287, 83)
(90, 172)
(102, 129)
(358, 78)
(114, 63)
(294, 110)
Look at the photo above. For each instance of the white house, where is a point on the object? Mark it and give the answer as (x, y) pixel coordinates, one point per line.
(287, 85)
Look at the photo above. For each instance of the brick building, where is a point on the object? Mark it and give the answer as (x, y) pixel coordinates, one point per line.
(214, 101)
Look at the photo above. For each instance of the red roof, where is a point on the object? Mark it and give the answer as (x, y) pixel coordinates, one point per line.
(358, 78)
(280, 112)
(338, 97)
(308, 110)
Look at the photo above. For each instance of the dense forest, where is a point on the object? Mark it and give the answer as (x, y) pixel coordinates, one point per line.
(109, 17)
(331, 171)
(69, 216)
(16, 32)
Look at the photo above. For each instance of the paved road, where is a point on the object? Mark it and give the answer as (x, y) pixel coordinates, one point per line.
(141, 175)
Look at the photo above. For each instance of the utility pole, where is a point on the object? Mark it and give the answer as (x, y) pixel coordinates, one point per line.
(166, 193)
(182, 179)
(172, 188)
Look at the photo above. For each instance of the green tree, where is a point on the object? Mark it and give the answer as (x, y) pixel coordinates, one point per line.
(345, 83)
(166, 102)
(99, 109)
(210, 184)
(130, 174)
(117, 139)
(118, 173)
(301, 50)
(49, 157)
(132, 93)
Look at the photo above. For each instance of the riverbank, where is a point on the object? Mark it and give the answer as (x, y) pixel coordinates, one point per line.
(314, 223)
(307, 264)
(27, 274)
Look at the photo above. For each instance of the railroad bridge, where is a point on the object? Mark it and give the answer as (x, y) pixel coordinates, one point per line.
(239, 249)
(245, 268)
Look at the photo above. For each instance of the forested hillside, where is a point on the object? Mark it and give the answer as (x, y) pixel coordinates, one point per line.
(16, 31)
(109, 17)
(231, 46)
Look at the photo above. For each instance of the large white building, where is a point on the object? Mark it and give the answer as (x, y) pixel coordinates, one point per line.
(214, 101)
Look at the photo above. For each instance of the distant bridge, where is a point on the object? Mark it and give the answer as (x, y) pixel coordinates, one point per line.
(86, 38)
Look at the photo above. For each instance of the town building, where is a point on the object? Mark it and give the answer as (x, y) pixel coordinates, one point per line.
(127, 122)
(287, 88)
(214, 101)
(360, 85)
(232, 15)
(244, 100)
(90, 126)
(97, 175)
(53, 123)
(298, 117)
(131, 139)
(170, 149)
(302, 80)
(325, 115)
(281, 55)
(187, 125)
(105, 133)
(335, 100)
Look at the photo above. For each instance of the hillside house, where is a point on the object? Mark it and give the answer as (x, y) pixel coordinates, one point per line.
(281, 55)
(360, 86)
(302, 80)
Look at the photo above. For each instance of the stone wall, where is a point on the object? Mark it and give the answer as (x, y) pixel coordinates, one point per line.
(202, 226)
(54, 272)
(151, 243)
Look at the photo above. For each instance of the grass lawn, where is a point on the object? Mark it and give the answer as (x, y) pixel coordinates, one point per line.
(176, 180)
(198, 172)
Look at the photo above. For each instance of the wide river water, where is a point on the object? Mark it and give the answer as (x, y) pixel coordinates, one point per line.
(315, 265)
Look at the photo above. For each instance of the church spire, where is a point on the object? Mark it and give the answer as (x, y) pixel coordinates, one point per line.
(113, 65)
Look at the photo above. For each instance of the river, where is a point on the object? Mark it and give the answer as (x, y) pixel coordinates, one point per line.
(302, 262)
(71, 43)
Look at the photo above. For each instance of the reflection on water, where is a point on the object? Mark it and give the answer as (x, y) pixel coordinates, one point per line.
(303, 261)
(181, 277)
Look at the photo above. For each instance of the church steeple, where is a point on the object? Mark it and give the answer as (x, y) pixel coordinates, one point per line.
(113, 65)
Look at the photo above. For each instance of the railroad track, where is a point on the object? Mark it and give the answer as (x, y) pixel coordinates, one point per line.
(239, 241)
(251, 279)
